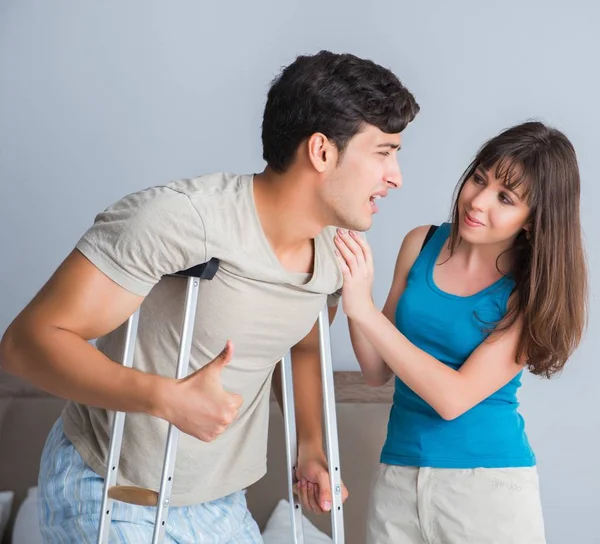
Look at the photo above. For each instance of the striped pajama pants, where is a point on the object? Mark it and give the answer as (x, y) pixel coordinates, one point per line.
(70, 496)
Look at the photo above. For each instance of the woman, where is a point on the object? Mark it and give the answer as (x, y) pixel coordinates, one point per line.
(500, 288)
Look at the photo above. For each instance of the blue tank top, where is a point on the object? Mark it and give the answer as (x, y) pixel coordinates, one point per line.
(449, 328)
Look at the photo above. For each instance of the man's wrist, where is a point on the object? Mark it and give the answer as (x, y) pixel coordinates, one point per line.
(311, 447)
(156, 394)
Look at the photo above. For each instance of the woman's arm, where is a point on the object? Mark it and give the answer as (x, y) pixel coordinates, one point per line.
(373, 366)
(450, 392)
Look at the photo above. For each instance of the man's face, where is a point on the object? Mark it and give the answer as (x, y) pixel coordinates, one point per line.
(367, 170)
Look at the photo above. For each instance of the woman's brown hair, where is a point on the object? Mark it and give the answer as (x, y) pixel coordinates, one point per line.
(548, 261)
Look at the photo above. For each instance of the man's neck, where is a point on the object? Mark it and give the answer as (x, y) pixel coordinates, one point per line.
(288, 209)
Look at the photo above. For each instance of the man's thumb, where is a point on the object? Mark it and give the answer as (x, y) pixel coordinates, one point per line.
(325, 499)
(224, 357)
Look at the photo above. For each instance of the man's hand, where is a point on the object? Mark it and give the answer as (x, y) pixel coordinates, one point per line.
(198, 405)
(313, 481)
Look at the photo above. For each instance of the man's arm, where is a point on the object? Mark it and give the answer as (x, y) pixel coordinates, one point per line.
(308, 388)
(308, 398)
(47, 344)
(313, 485)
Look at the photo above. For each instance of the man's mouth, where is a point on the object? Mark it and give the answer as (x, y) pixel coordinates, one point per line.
(373, 198)
(376, 196)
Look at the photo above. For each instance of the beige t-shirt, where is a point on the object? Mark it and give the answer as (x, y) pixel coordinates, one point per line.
(252, 300)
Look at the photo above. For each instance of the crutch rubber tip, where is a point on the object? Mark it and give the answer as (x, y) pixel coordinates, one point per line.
(133, 495)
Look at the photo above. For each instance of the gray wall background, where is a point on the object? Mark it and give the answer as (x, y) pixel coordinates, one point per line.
(99, 99)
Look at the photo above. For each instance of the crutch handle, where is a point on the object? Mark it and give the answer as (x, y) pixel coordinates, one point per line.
(133, 495)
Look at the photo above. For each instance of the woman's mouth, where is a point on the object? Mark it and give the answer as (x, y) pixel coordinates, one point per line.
(472, 222)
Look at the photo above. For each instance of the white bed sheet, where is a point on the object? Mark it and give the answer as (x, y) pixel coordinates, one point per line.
(26, 529)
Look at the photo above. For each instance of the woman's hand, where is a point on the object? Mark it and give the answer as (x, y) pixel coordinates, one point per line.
(356, 261)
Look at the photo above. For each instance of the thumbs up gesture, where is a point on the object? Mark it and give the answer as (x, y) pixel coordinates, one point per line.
(198, 405)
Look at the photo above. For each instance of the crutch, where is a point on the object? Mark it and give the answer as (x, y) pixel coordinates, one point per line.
(333, 453)
(134, 495)
(147, 497)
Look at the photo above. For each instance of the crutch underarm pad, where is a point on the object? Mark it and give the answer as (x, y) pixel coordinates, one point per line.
(204, 271)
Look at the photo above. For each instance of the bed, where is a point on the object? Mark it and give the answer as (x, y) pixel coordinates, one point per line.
(26, 415)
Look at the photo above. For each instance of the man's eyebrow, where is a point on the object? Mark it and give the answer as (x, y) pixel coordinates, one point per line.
(389, 145)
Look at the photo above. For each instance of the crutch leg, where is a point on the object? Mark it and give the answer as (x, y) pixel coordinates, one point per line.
(331, 433)
(291, 449)
(166, 483)
(116, 438)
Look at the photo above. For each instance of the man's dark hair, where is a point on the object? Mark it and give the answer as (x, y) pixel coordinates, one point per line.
(334, 94)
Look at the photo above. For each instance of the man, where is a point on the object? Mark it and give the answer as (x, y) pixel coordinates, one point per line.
(332, 124)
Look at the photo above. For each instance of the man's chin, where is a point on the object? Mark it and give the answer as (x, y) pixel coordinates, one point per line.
(365, 224)
(359, 226)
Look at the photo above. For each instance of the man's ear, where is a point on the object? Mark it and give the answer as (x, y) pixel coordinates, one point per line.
(322, 152)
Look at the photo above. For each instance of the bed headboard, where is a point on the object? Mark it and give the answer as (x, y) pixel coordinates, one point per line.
(26, 416)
